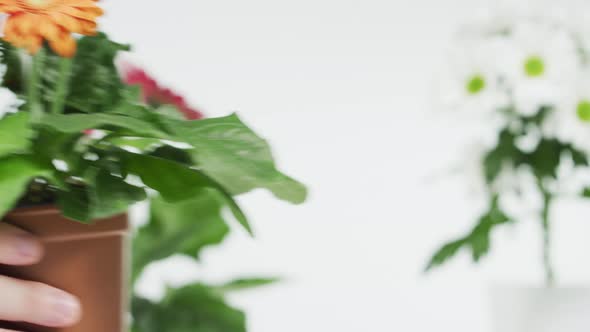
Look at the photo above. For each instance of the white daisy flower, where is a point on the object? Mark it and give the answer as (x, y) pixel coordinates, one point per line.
(541, 66)
(570, 119)
(471, 88)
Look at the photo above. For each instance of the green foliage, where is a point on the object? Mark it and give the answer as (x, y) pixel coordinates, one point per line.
(75, 203)
(112, 195)
(95, 85)
(222, 156)
(76, 123)
(477, 241)
(193, 308)
(505, 151)
(186, 228)
(15, 134)
(542, 161)
(15, 174)
(183, 227)
(177, 182)
(232, 154)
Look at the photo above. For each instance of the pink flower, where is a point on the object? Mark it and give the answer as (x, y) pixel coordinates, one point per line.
(156, 95)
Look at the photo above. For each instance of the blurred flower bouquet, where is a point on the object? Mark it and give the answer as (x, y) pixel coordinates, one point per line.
(76, 133)
(523, 85)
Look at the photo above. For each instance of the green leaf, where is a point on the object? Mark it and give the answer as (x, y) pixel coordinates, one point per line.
(231, 153)
(478, 240)
(245, 284)
(579, 158)
(74, 203)
(95, 85)
(111, 195)
(193, 308)
(175, 154)
(15, 134)
(16, 172)
(184, 227)
(177, 182)
(445, 253)
(505, 151)
(76, 123)
(545, 158)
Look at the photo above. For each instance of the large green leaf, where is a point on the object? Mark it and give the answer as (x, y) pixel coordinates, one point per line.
(193, 308)
(111, 195)
(234, 155)
(75, 203)
(177, 182)
(184, 227)
(76, 123)
(15, 174)
(15, 134)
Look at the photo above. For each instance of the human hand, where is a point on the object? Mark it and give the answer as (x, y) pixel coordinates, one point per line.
(27, 301)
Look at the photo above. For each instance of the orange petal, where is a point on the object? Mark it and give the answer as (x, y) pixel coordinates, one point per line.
(89, 13)
(48, 29)
(9, 8)
(64, 45)
(88, 28)
(34, 43)
(83, 3)
(9, 27)
(25, 23)
(67, 22)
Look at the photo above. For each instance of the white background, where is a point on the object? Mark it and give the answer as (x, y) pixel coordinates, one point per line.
(343, 91)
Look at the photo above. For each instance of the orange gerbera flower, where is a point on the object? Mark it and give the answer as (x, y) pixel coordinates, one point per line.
(32, 21)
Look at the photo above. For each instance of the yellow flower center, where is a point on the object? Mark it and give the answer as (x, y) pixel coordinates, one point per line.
(583, 110)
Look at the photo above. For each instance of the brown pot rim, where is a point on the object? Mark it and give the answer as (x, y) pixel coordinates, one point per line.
(47, 222)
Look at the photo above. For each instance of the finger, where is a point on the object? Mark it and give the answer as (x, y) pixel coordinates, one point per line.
(36, 303)
(3, 330)
(18, 247)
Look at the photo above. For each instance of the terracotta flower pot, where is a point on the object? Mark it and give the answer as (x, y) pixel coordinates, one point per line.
(89, 261)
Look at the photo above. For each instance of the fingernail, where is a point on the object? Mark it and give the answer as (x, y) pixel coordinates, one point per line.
(27, 247)
(65, 309)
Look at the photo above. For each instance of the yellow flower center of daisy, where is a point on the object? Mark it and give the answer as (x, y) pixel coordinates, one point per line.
(475, 84)
(583, 110)
(534, 66)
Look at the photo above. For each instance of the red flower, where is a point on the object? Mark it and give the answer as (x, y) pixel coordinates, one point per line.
(156, 95)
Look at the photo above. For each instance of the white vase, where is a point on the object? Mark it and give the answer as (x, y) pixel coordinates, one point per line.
(528, 309)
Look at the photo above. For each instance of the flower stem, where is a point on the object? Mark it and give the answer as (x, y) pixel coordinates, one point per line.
(34, 85)
(65, 67)
(547, 261)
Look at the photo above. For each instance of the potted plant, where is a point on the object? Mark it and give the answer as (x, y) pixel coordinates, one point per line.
(79, 146)
(522, 84)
